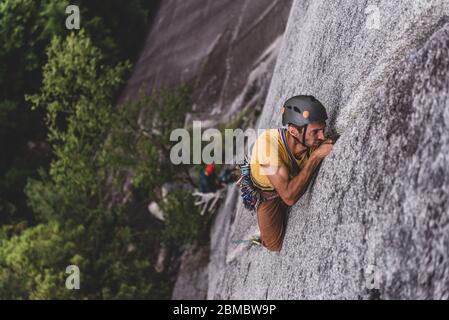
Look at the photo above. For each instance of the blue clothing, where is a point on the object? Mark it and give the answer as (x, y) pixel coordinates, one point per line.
(208, 183)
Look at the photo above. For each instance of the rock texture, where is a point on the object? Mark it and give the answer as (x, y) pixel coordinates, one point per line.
(192, 280)
(226, 49)
(375, 222)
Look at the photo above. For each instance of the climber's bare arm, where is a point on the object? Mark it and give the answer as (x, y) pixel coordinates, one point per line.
(291, 190)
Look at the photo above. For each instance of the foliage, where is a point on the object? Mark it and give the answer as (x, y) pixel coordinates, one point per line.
(85, 215)
(79, 221)
(184, 224)
(27, 28)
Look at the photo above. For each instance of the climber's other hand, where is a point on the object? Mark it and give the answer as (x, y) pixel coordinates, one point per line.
(324, 149)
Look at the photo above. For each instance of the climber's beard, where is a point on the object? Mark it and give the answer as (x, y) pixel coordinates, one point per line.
(307, 143)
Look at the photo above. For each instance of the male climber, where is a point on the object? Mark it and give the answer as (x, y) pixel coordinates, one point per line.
(283, 162)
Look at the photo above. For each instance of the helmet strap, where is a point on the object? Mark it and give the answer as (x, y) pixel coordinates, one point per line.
(303, 142)
(304, 136)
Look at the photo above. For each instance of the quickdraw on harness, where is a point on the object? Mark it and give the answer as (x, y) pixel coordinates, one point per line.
(249, 192)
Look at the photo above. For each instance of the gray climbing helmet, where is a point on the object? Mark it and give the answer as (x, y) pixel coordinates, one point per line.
(303, 110)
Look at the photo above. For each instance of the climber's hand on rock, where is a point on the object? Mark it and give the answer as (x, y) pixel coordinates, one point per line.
(324, 149)
(328, 141)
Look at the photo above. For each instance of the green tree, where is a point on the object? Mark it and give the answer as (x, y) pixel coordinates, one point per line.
(184, 224)
(80, 201)
(26, 30)
(78, 93)
(32, 265)
(26, 27)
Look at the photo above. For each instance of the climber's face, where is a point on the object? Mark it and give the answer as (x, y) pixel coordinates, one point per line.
(315, 134)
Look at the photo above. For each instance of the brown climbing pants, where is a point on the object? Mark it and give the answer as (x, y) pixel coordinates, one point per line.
(272, 218)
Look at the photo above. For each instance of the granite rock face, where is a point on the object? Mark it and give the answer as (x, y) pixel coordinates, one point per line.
(225, 49)
(192, 280)
(375, 221)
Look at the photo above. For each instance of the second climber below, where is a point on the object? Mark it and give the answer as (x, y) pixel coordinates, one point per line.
(283, 162)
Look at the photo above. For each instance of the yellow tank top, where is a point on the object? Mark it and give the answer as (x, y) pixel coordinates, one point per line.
(270, 150)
